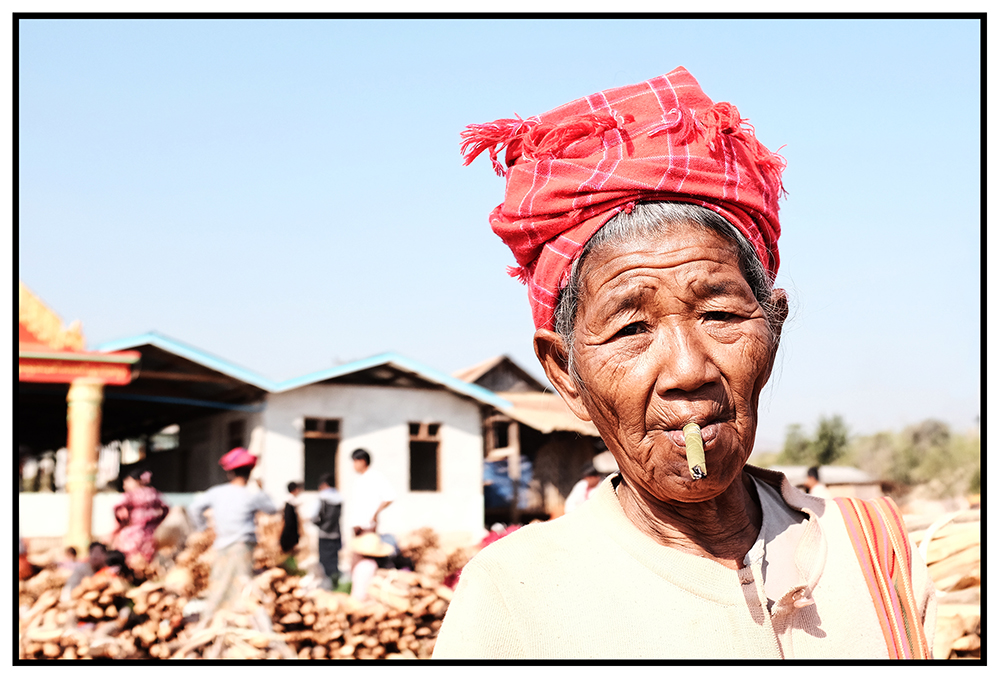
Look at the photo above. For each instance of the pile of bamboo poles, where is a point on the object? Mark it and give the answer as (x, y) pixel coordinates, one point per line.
(268, 554)
(85, 624)
(280, 615)
(951, 548)
(401, 621)
(423, 547)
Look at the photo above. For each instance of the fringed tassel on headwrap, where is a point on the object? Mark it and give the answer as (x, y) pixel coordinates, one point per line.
(520, 273)
(681, 124)
(546, 140)
(493, 137)
(724, 118)
(537, 140)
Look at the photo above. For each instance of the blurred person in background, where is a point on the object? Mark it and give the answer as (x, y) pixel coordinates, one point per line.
(372, 494)
(290, 532)
(97, 558)
(25, 569)
(815, 486)
(138, 514)
(69, 561)
(325, 513)
(234, 506)
(591, 478)
(116, 565)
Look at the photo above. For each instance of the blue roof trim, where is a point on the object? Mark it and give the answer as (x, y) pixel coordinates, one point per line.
(253, 408)
(473, 391)
(456, 385)
(186, 351)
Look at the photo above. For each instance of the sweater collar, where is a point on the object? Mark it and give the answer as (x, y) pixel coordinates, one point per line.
(697, 574)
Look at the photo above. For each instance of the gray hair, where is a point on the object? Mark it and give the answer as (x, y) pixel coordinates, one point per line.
(654, 219)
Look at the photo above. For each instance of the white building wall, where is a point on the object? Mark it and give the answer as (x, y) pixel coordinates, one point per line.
(377, 419)
(374, 418)
(206, 440)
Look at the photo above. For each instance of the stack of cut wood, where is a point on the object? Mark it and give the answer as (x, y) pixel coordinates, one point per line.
(280, 616)
(231, 635)
(195, 561)
(423, 548)
(47, 579)
(951, 548)
(311, 622)
(402, 621)
(158, 613)
(147, 570)
(267, 554)
(84, 625)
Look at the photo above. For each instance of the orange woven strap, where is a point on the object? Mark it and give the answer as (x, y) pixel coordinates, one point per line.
(883, 550)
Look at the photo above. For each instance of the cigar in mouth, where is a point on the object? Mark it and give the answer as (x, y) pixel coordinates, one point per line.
(695, 449)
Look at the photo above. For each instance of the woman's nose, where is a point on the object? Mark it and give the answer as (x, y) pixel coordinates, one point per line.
(681, 360)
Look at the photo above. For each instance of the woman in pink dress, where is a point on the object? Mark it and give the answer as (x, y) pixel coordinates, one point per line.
(138, 514)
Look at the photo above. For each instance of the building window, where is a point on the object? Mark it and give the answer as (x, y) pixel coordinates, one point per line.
(235, 435)
(320, 440)
(501, 431)
(425, 443)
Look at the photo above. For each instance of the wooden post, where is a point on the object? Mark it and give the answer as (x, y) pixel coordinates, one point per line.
(83, 419)
(514, 470)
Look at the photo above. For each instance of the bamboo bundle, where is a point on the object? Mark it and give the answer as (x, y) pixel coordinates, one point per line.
(98, 603)
(47, 579)
(951, 547)
(280, 615)
(196, 560)
(158, 613)
(423, 547)
(267, 553)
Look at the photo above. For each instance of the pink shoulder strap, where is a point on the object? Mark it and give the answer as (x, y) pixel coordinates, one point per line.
(883, 550)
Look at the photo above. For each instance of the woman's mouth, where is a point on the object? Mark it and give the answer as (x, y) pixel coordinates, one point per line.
(708, 434)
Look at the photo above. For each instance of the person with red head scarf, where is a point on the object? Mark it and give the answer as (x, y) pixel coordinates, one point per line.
(138, 514)
(644, 221)
(234, 506)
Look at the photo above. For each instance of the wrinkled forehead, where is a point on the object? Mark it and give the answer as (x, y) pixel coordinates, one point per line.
(673, 251)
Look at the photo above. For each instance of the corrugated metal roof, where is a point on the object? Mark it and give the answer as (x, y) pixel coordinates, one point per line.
(545, 412)
(404, 364)
(828, 474)
(220, 365)
(198, 356)
(473, 373)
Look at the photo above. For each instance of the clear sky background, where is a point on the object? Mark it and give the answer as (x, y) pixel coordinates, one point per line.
(289, 195)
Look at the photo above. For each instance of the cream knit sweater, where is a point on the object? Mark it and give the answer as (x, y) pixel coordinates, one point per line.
(591, 585)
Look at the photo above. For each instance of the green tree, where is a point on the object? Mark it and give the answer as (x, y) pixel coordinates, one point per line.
(831, 440)
(874, 454)
(797, 448)
(927, 454)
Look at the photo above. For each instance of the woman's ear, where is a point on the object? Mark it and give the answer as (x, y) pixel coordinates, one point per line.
(779, 312)
(776, 320)
(553, 355)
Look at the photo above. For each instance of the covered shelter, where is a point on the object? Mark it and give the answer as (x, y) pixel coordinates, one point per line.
(53, 366)
(535, 448)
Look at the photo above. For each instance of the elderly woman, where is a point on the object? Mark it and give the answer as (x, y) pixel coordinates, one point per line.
(644, 220)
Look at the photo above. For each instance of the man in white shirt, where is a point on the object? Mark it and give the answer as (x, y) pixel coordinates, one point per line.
(372, 494)
(815, 486)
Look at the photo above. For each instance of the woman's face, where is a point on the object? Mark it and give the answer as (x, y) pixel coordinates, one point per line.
(668, 332)
(130, 484)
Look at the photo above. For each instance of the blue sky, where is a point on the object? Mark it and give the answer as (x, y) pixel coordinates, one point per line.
(289, 195)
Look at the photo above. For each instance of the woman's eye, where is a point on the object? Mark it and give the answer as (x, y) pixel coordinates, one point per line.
(630, 329)
(720, 316)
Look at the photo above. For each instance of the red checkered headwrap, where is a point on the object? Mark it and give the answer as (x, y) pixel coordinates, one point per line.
(570, 170)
